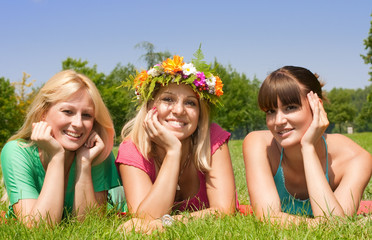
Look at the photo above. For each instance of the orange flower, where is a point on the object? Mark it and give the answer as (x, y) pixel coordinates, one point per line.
(219, 86)
(142, 77)
(172, 66)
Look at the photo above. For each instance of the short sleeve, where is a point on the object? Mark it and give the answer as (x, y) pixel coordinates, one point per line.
(104, 175)
(129, 155)
(22, 171)
(218, 137)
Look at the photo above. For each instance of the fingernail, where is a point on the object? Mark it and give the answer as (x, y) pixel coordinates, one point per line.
(153, 108)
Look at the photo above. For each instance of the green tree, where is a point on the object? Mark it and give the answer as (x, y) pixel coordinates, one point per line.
(11, 116)
(340, 110)
(151, 57)
(240, 113)
(368, 46)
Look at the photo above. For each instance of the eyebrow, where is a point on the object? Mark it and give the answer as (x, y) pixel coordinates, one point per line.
(193, 96)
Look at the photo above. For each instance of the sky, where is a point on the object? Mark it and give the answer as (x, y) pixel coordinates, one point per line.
(254, 37)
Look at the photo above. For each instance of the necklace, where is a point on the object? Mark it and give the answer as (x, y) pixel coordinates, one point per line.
(182, 170)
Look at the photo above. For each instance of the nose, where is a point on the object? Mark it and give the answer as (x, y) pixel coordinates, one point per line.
(280, 118)
(77, 121)
(178, 108)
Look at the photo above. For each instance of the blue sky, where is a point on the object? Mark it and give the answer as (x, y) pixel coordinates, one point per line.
(255, 37)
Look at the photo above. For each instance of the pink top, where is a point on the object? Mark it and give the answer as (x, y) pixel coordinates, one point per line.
(129, 155)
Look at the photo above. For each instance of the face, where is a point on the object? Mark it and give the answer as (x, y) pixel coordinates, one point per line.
(288, 123)
(72, 120)
(178, 109)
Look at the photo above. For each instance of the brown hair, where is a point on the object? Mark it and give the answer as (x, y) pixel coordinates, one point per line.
(289, 84)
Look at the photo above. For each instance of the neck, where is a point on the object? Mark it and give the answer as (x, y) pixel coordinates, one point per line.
(292, 155)
(186, 151)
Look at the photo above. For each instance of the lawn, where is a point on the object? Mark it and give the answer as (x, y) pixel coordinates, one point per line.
(230, 227)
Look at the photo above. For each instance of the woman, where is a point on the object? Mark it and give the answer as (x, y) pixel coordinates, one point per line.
(61, 157)
(172, 158)
(294, 167)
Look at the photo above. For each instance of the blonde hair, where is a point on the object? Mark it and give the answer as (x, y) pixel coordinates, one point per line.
(60, 87)
(201, 149)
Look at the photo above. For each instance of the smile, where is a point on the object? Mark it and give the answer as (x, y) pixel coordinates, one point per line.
(284, 131)
(175, 123)
(72, 134)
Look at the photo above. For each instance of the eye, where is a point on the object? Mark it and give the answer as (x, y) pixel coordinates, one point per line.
(67, 112)
(87, 115)
(167, 99)
(191, 103)
(291, 108)
(269, 111)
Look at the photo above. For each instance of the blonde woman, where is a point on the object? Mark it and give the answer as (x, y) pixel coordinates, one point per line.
(172, 158)
(61, 157)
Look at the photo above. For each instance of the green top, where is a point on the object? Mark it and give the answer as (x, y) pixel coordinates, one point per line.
(24, 174)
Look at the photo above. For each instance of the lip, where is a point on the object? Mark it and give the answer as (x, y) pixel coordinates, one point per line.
(285, 132)
(176, 123)
(72, 134)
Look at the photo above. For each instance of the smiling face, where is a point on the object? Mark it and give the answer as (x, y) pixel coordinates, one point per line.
(178, 109)
(72, 120)
(288, 123)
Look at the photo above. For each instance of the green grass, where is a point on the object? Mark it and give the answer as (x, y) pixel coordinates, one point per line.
(229, 227)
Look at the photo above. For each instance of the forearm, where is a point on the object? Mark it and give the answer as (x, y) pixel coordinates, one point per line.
(84, 197)
(49, 204)
(322, 198)
(160, 198)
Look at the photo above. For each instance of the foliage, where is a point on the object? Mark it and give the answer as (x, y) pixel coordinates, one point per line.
(368, 46)
(10, 112)
(240, 113)
(339, 110)
(150, 56)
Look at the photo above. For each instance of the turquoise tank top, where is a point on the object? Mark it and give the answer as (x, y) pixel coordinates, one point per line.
(290, 204)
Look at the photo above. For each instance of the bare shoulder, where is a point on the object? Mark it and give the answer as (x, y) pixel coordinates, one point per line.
(343, 147)
(258, 138)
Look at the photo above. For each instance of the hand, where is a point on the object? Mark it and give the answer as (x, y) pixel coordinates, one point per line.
(91, 148)
(158, 133)
(320, 121)
(42, 136)
(141, 225)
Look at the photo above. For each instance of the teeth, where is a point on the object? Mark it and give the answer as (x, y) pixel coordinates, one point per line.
(284, 131)
(72, 134)
(176, 123)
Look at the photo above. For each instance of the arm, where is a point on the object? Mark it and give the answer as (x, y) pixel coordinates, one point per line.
(49, 204)
(262, 190)
(357, 171)
(323, 200)
(145, 199)
(85, 197)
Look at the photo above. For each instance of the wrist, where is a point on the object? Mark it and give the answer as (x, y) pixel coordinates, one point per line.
(167, 220)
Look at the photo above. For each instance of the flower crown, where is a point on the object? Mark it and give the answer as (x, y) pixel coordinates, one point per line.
(196, 74)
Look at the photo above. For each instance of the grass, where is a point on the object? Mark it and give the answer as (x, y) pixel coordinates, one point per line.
(230, 227)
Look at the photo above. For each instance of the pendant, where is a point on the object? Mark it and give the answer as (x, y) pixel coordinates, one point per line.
(178, 187)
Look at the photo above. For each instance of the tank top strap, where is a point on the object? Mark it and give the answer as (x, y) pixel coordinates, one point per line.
(326, 148)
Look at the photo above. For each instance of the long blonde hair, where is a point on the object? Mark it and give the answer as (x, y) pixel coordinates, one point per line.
(60, 87)
(201, 149)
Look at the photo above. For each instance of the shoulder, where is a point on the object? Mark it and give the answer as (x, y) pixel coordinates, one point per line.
(17, 151)
(344, 150)
(255, 139)
(218, 137)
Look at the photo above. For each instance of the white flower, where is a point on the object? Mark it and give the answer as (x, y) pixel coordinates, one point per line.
(154, 72)
(211, 82)
(188, 69)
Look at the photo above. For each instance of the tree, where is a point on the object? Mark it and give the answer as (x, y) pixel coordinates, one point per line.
(340, 110)
(240, 113)
(24, 97)
(150, 56)
(11, 116)
(368, 46)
